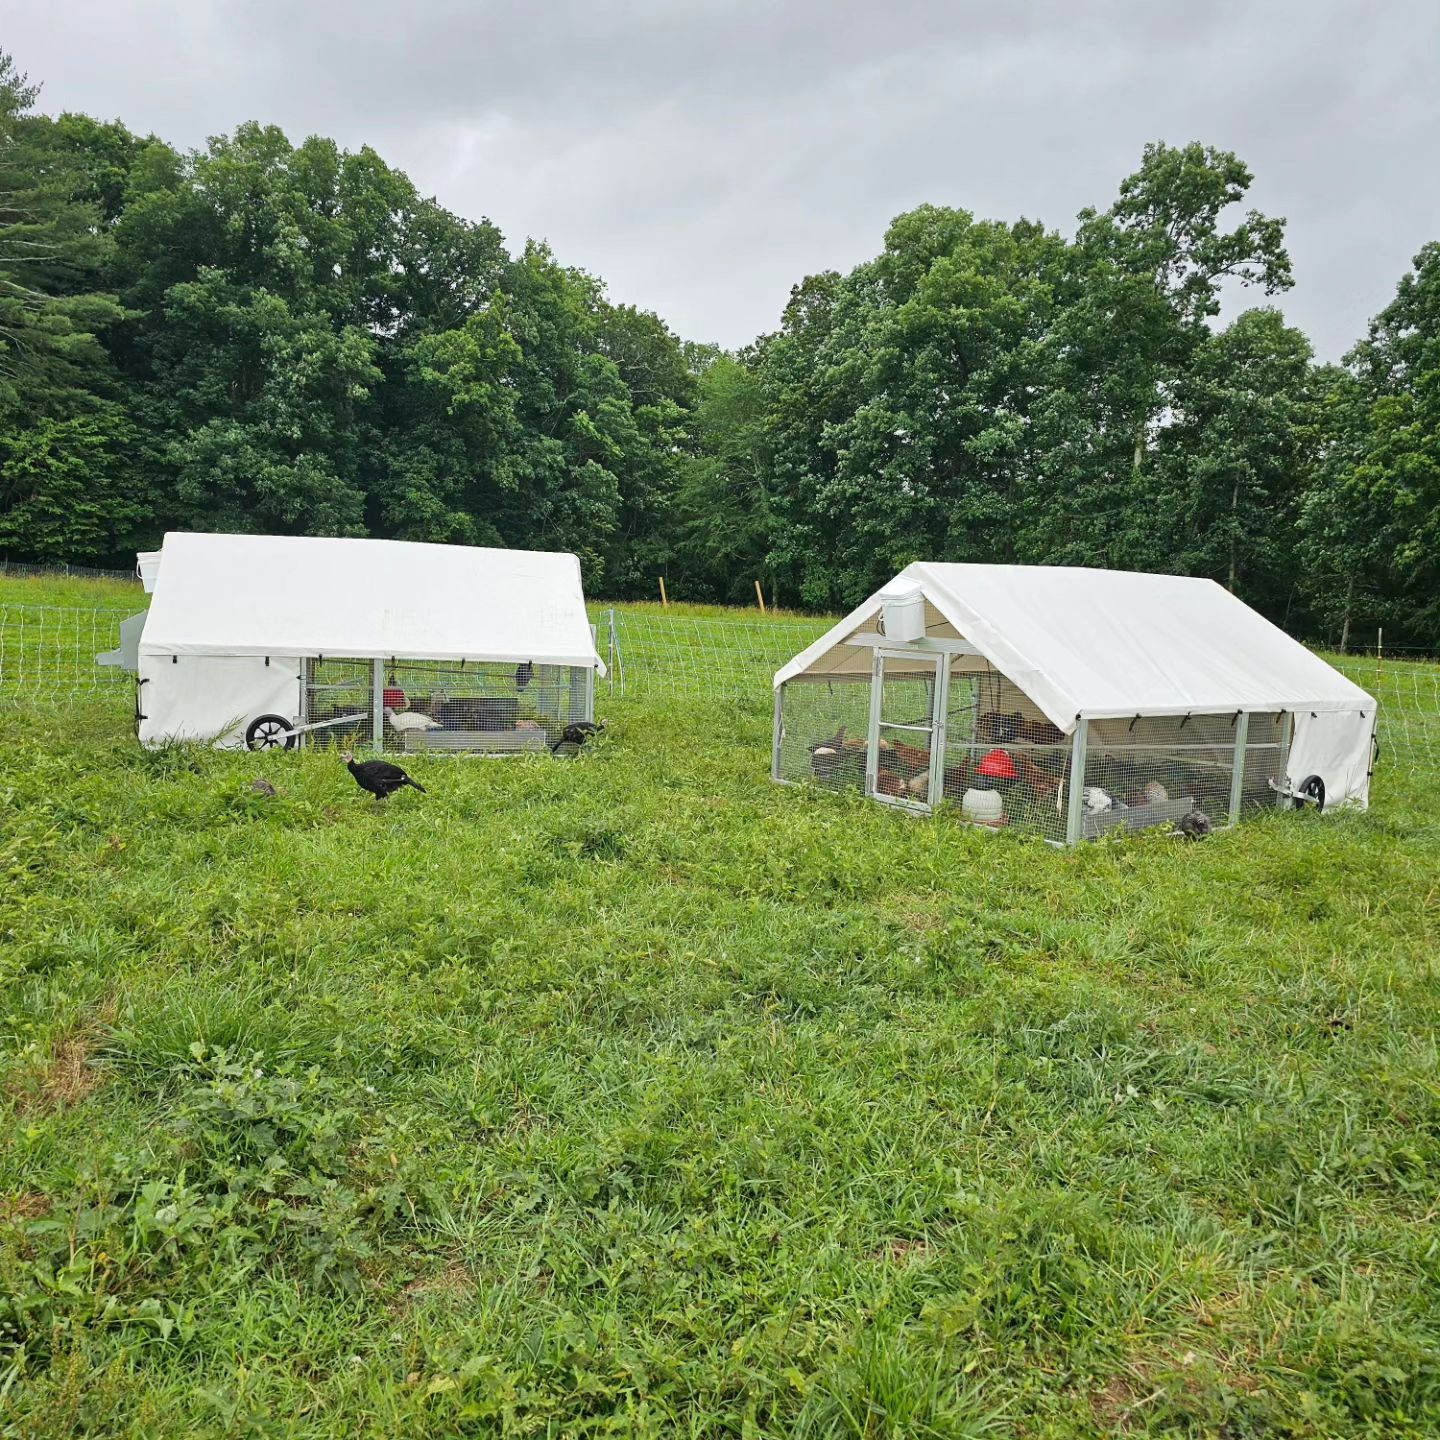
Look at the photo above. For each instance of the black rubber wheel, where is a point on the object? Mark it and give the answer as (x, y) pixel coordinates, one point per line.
(269, 732)
(1311, 790)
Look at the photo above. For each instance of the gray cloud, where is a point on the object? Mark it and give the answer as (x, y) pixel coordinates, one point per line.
(702, 156)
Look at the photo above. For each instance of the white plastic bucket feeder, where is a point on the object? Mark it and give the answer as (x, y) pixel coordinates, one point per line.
(902, 615)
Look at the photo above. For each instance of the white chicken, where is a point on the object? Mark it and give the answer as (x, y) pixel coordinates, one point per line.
(402, 721)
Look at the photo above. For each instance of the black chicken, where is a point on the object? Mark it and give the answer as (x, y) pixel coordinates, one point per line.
(379, 777)
(577, 734)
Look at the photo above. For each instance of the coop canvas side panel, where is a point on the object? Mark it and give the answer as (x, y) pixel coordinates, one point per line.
(1336, 745)
(367, 599)
(211, 699)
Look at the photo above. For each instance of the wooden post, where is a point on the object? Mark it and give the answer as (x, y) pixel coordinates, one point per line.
(664, 599)
(760, 596)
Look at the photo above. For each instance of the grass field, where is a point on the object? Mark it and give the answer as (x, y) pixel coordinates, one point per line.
(635, 1096)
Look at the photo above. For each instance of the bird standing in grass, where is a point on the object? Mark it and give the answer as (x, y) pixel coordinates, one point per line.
(1194, 826)
(577, 734)
(379, 777)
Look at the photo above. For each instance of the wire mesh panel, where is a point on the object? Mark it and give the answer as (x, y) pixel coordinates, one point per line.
(1005, 764)
(338, 704)
(1263, 767)
(821, 731)
(1154, 770)
(472, 707)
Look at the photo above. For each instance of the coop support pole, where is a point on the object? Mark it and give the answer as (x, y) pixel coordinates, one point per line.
(1075, 795)
(939, 721)
(872, 730)
(1237, 774)
(779, 730)
(1287, 725)
(377, 706)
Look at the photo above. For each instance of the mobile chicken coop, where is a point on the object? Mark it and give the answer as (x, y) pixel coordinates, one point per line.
(265, 641)
(1069, 703)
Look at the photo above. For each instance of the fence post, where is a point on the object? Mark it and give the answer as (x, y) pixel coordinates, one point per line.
(618, 648)
(610, 641)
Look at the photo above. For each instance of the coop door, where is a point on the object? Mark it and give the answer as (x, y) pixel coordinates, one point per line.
(902, 728)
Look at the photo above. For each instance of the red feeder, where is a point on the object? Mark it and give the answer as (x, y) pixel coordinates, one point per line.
(997, 765)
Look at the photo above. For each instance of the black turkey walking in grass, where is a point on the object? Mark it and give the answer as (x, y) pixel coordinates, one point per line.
(574, 736)
(379, 777)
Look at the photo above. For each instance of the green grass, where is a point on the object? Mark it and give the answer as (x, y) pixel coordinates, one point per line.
(636, 1096)
(121, 595)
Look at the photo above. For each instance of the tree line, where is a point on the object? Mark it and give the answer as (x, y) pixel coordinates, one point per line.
(269, 337)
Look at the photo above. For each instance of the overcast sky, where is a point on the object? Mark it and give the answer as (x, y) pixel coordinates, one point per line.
(703, 155)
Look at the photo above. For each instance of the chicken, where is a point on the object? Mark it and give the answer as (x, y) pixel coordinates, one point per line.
(1193, 826)
(911, 760)
(379, 777)
(410, 720)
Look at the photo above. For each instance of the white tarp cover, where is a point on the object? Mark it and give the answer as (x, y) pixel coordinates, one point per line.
(275, 595)
(1103, 644)
(212, 699)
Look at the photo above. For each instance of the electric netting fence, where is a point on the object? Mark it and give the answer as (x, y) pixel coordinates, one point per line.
(652, 654)
(48, 655)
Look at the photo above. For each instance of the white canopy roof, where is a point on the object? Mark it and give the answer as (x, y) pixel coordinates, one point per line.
(1109, 643)
(366, 599)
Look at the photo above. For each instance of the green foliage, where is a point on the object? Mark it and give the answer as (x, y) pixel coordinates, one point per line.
(52, 251)
(1236, 457)
(63, 487)
(255, 1169)
(723, 501)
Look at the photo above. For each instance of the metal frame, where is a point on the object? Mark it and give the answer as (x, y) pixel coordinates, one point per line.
(939, 734)
(1237, 771)
(1075, 796)
(377, 706)
(934, 645)
(909, 654)
(779, 732)
(1287, 724)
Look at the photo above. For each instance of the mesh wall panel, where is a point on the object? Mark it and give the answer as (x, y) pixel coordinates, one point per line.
(1005, 764)
(473, 707)
(823, 725)
(1154, 770)
(1265, 757)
